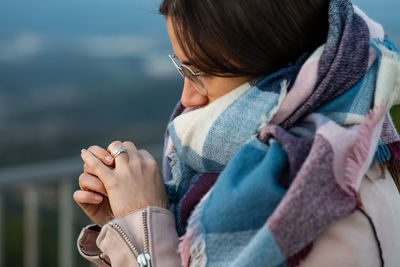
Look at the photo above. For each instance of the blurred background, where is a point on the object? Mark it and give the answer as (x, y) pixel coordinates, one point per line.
(72, 74)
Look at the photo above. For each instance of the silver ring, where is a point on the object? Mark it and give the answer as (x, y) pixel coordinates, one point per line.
(118, 151)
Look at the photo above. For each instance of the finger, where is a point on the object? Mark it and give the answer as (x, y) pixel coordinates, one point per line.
(102, 155)
(96, 166)
(89, 182)
(132, 151)
(86, 169)
(121, 159)
(85, 197)
(147, 157)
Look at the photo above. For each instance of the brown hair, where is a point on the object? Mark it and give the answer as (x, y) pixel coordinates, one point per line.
(247, 37)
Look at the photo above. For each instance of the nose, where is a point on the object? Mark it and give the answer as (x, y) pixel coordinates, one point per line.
(191, 97)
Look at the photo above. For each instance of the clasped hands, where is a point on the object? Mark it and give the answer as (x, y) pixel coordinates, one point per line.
(112, 188)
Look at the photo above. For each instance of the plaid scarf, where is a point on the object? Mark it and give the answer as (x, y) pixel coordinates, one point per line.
(256, 175)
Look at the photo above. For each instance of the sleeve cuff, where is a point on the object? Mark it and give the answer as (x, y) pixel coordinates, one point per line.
(88, 248)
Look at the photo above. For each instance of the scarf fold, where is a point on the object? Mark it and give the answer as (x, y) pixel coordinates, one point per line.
(258, 174)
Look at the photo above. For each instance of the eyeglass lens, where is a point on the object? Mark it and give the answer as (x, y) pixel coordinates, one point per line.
(188, 73)
(194, 79)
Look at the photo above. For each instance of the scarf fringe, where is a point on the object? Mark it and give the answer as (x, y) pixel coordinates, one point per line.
(192, 245)
(184, 248)
(357, 157)
(388, 157)
(175, 170)
(382, 154)
(389, 74)
(386, 48)
(266, 119)
(198, 250)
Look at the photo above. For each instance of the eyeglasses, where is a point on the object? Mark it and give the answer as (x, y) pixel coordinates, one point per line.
(193, 77)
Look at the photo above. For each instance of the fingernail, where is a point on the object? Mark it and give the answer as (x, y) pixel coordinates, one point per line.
(83, 150)
(109, 158)
(98, 198)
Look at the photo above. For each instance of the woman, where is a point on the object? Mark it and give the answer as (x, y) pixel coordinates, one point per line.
(272, 157)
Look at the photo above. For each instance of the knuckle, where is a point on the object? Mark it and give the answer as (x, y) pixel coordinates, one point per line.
(152, 163)
(146, 154)
(85, 167)
(92, 148)
(128, 143)
(115, 143)
(96, 163)
(81, 179)
(99, 172)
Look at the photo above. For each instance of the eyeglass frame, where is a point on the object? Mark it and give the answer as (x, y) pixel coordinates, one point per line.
(179, 66)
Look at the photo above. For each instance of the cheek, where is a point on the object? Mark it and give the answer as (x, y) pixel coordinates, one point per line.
(217, 88)
(214, 86)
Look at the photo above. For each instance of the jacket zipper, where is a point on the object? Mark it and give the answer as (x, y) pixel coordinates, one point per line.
(143, 259)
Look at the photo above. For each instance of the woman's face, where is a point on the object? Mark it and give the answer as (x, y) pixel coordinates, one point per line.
(216, 86)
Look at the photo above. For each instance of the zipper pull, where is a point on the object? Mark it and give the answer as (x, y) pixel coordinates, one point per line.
(147, 259)
(144, 260)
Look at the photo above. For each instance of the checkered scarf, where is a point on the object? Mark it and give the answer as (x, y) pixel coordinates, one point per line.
(256, 175)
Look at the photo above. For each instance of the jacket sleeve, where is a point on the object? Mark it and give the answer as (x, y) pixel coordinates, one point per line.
(87, 246)
(120, 241)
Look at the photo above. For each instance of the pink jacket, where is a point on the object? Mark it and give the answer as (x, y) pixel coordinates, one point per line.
(349, 242)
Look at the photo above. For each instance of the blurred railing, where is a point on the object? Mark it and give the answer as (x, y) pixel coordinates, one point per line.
(29, 177)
